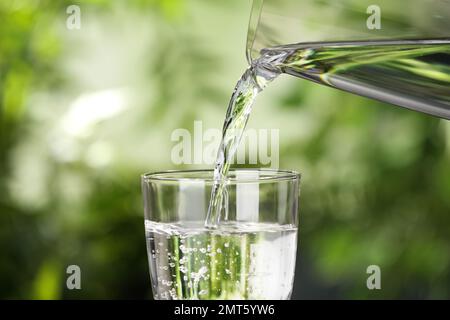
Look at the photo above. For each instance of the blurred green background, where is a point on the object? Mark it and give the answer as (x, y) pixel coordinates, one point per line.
(85, 112)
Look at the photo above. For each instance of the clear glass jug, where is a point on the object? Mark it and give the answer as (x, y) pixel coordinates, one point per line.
(394, 51)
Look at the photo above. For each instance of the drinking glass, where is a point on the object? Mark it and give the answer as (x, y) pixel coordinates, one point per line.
(249, 255)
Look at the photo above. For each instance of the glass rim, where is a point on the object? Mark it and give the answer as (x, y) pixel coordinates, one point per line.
(270, 175)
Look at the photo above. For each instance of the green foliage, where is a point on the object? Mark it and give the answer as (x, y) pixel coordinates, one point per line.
(376, 179)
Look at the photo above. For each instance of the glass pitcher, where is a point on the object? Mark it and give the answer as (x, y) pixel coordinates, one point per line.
(393, 51)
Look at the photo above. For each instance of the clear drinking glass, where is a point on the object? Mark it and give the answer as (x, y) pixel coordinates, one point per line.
(250, 255)
(394, 51)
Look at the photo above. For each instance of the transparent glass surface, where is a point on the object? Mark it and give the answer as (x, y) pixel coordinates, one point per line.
(250, 255)
(393, 51)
